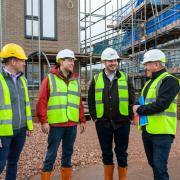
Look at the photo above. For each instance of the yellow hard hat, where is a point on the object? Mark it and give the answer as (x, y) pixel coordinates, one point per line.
(13, 50)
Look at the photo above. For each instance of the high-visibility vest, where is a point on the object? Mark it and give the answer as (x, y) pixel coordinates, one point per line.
(164, 122)
(122, 93)
(6, 114)
(64, 100)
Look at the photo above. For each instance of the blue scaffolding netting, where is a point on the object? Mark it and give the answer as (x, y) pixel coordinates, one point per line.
(154, 24)
(157, 22)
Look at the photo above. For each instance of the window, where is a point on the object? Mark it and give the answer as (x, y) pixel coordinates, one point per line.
(47, 19)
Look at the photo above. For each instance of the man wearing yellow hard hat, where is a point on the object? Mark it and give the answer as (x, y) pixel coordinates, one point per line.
(15, 111)
(60, 109)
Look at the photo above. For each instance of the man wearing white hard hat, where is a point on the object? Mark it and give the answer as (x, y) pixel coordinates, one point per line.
(160, 96)
(60, 109)
(110, 100)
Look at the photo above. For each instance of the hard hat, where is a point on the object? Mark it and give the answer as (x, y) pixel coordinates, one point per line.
(13, 50)
(65, 53)
(109, 54)
(154, 55)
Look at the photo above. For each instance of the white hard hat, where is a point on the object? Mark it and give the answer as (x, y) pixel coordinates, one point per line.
(109, 54)
(154, 55)
(65, 53)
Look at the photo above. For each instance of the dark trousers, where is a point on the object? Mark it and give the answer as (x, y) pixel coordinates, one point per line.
(106, 135)
(157, 148)
(10, 152)
(56, 134)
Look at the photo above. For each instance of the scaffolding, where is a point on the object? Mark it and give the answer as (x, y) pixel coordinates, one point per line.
(158, 26)
(134, 28)
(137, 26)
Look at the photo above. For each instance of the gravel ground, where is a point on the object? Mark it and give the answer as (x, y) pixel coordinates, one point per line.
(86, 150)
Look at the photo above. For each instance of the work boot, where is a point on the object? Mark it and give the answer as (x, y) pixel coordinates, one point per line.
(122, 171)
(45, 175)
(108, 172)
(66, 173)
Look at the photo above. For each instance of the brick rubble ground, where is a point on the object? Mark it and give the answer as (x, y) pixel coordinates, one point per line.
(86, 151)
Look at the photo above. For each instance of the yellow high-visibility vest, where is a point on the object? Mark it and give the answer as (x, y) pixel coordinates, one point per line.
(164, 122)
(64, 100)
(6, 115)
(122, 93)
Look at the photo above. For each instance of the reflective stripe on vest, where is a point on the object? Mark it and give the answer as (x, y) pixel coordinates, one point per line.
(164, 122)
(122, 93)
(64, 100)
(28, 107)
(6, 128)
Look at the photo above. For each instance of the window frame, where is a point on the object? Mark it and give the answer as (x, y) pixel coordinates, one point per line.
(35, 18)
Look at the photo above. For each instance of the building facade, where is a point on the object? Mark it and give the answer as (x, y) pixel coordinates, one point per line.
(58, 25)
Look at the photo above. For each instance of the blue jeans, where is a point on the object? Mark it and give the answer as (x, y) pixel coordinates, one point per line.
(157, 148)
(10, 152)
(121, 140)
(56, 134)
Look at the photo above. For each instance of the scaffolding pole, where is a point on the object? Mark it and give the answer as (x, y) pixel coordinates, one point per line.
(1, 30)
(90, 54)
(39, 41)
(85, 44)
(32, 44)
(85, 33)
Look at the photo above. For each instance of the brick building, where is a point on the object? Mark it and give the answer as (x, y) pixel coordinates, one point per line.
(59, 24)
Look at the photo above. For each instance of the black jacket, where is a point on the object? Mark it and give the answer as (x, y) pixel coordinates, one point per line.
(167, 92)
(111, 101)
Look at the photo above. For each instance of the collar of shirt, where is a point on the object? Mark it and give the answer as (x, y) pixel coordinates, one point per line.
(14, 77)
(110, 76)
